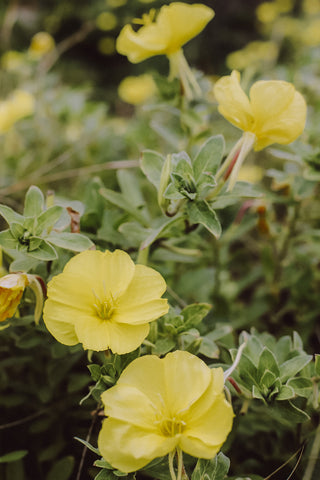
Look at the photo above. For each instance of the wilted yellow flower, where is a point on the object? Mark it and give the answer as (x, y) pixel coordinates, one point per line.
(103, 300)
(160, 406)
(137, 90)
(165, 34)
(19, 105)
(11, 289)
(41, 43)
(252, 54)
(274, 113)
(107, 21)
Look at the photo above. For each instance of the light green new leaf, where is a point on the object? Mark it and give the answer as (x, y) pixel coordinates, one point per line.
(48, 218)
(119, 200)
(214, 469)
(7, 240)
(291, 367)
(44, 252)
(34, 202)
(10, 215)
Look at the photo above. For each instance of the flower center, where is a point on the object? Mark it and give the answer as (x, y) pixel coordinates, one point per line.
(106, 307)
(147, 18)
(170, 427)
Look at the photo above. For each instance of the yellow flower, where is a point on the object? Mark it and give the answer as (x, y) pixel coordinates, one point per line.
(175, 25)
(252, 54)
(11, 289)
(103, 300)
(12, 60)
(136, 90)
(19, 105)
(160, 406)
(274, 113)
(41, 43)
(106, 45)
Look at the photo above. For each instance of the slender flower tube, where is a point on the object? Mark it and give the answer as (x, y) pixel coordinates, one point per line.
(175, 25)
(104, 301)
(274, 112)
(163, 406)
(11, 290)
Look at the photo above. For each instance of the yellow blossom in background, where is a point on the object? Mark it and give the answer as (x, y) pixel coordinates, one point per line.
(311, 7)
(106, 21)
(115, 3)
(274, 112)
(310, 35)
(137, 90)
(165, 34)
(285, 6)
(11, 290)
(267, 12)
(255, 53)
(12, 60)
(41, 43)
(20, 104)
(104, 301)
(107, 45)
(250, 173)
(160, 406)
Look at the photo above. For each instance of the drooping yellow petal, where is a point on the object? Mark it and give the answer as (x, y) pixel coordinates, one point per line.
(280, 113)
(129, 448)
(234, 104)
(11, 290)
(175, 25)
(183, 22)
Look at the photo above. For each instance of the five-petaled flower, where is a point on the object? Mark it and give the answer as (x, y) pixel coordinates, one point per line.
(11, 290)
(165, 34)
(176, 404)
(274, 113)
(104, 301)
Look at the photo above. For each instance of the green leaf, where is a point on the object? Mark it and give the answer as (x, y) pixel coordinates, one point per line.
(13, 456)
(209, 348)
(44, 252)
(158, 232)
(7, 240)
(23, 263)
(200, 212)
(267, 380)
(194, 314)
(163, 346)
(48, 218)
(267, 361)
(209, 157)
(286, 393)
(130, 187)
(10, 215)
(291, 367)
(95, 371)
(17, 230)
(62, 469)
(34, 202)
(70, 241)
(88, 445)
(215, 469)
(301, 385)
(120, 201)
(288, 412)
(248, 371)
(151, 164)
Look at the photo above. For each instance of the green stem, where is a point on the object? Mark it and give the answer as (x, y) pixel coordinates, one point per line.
(180, 463)
(143, 256)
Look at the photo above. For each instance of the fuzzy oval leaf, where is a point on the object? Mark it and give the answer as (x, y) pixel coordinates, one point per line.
(151, 164)
(10, 215)
(48, 218)
(7, 240)
(34, 202)
(70, 241)
(291, 367)
(44, 252)
(213, 469)
(209, 157)
(200, 212)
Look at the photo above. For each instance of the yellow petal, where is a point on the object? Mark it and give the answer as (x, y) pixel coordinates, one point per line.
(147, 375)
(183, 22)
(234, 104)
(140, 411)
(187, 378)
(129, 448)
(280, 112)
(196, 448)
(62, 331)
(138, 46)
(141, 314)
